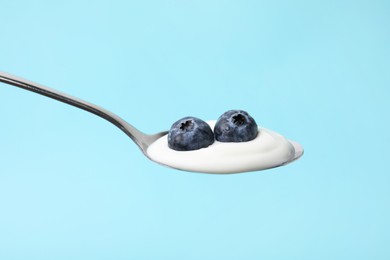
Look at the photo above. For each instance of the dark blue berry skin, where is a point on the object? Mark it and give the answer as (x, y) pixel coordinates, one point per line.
(235, 126)
(190, 133)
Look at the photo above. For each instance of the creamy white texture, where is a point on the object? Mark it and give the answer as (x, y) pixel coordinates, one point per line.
(269, 149)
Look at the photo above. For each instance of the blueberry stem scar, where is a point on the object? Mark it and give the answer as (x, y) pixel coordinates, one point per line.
(238, 119)
(186, 125)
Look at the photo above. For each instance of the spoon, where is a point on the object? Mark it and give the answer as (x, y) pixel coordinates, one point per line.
(142, 140)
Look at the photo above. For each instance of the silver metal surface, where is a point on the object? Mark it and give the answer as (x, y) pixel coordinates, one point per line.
(141, 139)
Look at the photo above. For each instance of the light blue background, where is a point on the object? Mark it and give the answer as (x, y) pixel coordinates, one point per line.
(72, 186)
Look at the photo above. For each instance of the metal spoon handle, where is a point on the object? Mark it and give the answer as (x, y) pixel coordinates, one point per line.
(137, 136)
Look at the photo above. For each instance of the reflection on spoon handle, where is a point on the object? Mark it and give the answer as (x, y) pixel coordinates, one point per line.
(131, 131)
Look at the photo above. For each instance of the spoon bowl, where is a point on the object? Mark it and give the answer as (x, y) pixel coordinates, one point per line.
(142, 140)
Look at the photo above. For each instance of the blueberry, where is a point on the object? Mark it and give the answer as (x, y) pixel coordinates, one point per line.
(190, 133)
(235, 126)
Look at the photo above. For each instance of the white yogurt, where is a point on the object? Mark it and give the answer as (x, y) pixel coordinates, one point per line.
(269, 149)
